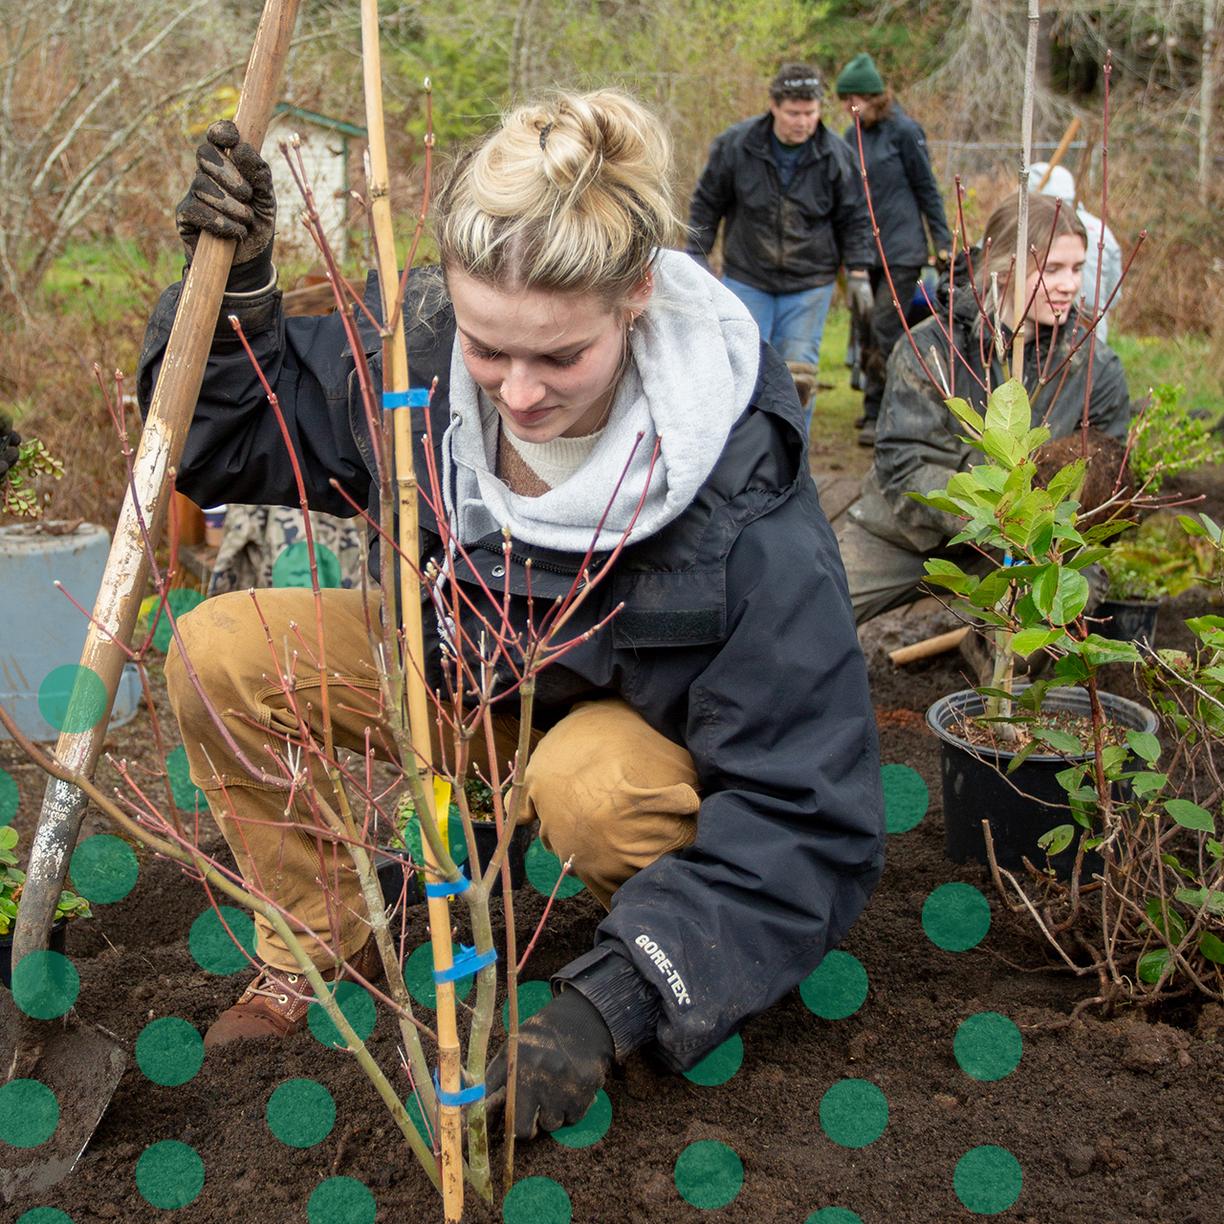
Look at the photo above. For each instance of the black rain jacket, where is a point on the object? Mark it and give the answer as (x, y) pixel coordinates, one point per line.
(736, 640)
(776, 241)
(903, 188)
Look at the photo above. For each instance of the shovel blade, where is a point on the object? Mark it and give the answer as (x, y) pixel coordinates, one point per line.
(82, 1066)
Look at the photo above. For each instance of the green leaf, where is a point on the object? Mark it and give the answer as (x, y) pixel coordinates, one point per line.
(1152, 965)
(1065, 483)
(1191, 526)
(1029, 640)
(1087, 556)
(991, 589)
(1034, 438)
(1165, 921)
(1042, 535)
(1096, 651)
(1008, 409)
(1060, 593)
(1213, 899)
(1071, 669)
(1215, 848)
(8, 837)
(1145, 783)
(1100, 532)
(1057, 839)
(990, 477)
(1023, 755)
(1002, 447)
(968, 416)
(949, 574)
(1190, 815)
(1060, 741)
(1144, 744)
(1212, 947)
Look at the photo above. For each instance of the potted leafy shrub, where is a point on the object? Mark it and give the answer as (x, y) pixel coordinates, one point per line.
(12, 880)
(1157, 561)
(1011, 751)
(1154, 928)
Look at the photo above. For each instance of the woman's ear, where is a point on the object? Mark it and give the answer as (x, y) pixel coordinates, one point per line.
(640, 297)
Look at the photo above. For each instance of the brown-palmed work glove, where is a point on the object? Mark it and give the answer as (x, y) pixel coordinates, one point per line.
(564, 1053)
(230, 197)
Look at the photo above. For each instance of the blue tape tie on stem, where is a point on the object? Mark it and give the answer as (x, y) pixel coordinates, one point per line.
(414, 397)
(467, 962)
(447, 888)
(465, 1096)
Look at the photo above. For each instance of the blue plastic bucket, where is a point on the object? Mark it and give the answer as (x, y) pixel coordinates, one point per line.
(40, 630)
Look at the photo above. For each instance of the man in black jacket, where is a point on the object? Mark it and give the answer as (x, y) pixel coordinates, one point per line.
(907, 205)
(788, 194)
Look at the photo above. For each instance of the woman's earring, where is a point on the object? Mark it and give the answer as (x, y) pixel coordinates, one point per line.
(632, 321)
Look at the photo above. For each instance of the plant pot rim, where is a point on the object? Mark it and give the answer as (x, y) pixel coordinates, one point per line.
(57, 925)
(1072, 696)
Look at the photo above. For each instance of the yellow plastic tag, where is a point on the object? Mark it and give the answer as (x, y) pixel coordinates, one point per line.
(442, 798)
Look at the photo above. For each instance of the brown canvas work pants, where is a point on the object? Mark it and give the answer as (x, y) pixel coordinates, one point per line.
(605, 787)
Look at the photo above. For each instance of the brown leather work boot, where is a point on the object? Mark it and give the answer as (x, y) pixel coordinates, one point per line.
(276, 1002)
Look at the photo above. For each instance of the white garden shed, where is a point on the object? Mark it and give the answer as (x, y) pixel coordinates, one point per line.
(327, 144)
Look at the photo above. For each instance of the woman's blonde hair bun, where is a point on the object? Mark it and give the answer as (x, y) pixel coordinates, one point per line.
(571, 193)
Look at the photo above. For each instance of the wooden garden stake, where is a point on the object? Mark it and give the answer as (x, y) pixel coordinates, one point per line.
(395, 385)
(144, 507)
(1063, 145)
(1019, 278)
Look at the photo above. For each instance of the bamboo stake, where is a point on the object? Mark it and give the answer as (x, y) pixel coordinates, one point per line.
(145, 505)
(1019, 277)
(395, 379)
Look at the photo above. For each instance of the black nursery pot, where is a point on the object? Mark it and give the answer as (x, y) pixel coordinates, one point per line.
(1128, 620)
(486, 843)
(391, 880)
(976, 785)
(59, 933)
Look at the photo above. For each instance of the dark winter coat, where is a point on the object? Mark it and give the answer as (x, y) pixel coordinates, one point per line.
(903, 188)
(774, 240)
(736, 640)
(918, 441)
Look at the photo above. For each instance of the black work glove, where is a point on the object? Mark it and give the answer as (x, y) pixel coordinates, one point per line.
(230, 197)
(564, 1053)
(10, 446)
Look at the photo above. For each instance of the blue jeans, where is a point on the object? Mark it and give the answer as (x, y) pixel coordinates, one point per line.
(792, 322)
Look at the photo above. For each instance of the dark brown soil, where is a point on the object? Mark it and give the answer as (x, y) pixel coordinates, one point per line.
(1112, 1121)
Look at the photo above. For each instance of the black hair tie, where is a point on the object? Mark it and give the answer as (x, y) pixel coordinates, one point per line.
(548, 127)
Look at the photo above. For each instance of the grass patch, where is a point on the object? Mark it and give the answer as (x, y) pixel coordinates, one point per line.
(1150, 361)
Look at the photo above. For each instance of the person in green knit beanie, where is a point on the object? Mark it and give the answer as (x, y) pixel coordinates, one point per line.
(860, 76)
(909, 211)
